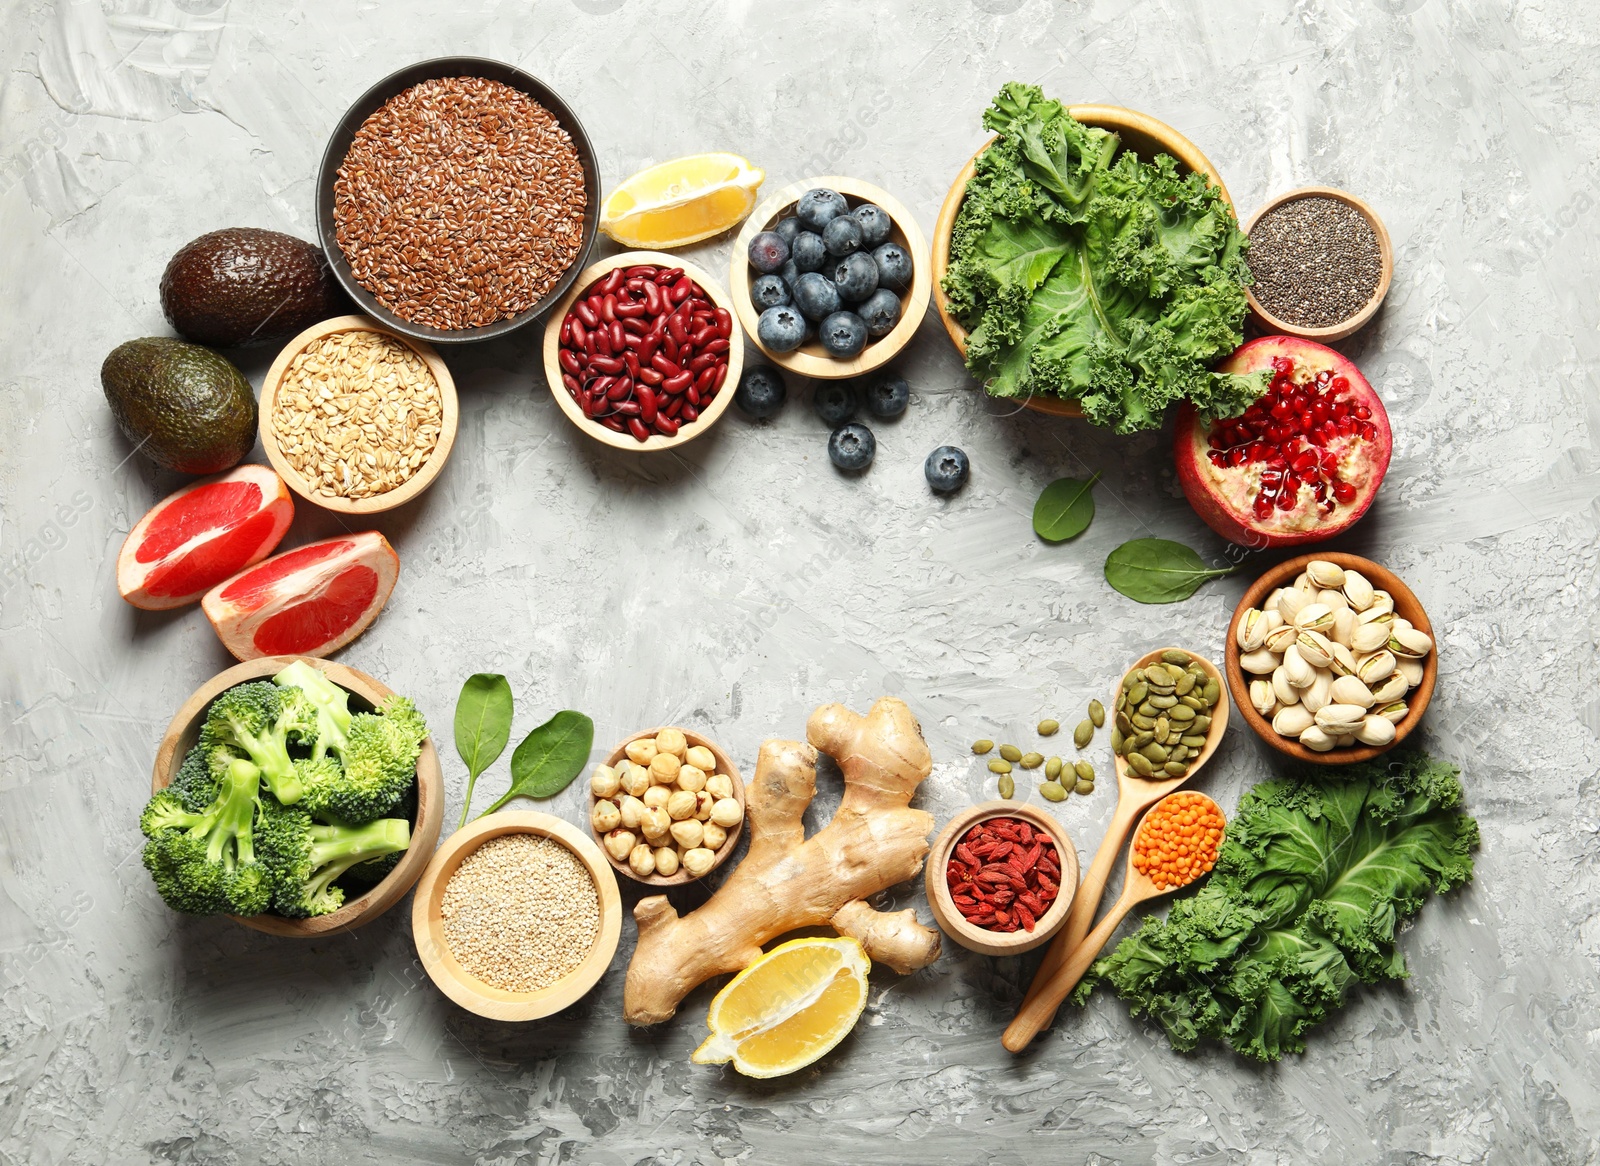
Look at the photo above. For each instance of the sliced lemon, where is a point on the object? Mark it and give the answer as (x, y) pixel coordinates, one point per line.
(788, 1008)
(682, 201)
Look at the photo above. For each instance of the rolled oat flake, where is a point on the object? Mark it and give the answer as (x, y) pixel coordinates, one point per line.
(1316, 261)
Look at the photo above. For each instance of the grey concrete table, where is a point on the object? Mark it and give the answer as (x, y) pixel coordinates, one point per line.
(129, 1034)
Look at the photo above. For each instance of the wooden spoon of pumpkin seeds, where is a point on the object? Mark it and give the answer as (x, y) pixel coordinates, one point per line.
(1136, 792)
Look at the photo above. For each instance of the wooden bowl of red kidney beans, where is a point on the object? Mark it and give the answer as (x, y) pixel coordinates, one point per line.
(643, 353)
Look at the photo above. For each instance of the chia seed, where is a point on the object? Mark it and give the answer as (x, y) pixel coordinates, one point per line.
(1316, 261)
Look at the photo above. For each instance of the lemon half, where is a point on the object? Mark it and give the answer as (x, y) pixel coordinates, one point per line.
(682, 201)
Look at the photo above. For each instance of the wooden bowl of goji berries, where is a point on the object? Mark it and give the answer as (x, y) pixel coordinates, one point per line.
(644, 352)
(989, 870)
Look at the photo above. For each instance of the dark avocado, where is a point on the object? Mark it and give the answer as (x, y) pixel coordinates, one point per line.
(184, 406)
(244, 285)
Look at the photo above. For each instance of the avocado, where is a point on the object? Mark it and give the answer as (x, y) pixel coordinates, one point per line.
(185, 407)
(244, 285)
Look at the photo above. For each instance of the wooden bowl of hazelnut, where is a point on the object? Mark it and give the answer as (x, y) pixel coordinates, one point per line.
(667, 806)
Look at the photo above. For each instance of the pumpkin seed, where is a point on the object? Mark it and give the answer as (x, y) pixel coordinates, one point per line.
(1200, 724)
(1125, 723)
(1137, 693)
(1143, 739)
(1183, 686)
(1180, 752)
(982, 746)
(1008, 787)
(1163, 730)
(1052, 791)
(1049, 728)
(1097, 713)
(1011, 753)
(1165, 702)
(1083, 787)
(1173, 656)
(1194, 740)
(1031, 760)
(1083, 734)
(1116, 741)
(1084, 770)
(1212, 691)
(1148, 711)
(1156, 752)
(999, 765)
(1192, 702)
(1182, 712)
(1140, 764)
(1052, 768)
(1175, 769)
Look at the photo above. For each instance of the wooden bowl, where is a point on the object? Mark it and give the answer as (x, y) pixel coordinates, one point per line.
(552, 354)
(1142, 134)
(1406, 605)
(724, 765)
(427, 927)
(1270, 323)
(184, 731)
(412, 486)
(811, 359)
(398, 82)
(980, 939)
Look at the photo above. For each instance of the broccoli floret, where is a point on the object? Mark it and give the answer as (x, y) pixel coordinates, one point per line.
(380, 765)
(322, 709)
(253, 718)
(199, 779)
(205, 863)
(307, 858)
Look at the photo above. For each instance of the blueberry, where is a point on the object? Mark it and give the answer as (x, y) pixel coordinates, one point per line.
(768, 252)
(946, 469)
(843, 334)
(888, 397)
(881, 311)
(835, 402)
(761, 392)
(789, 272)
(817, 208)
(809, 252)
(894, 265)
(875, 223)
(851, 446)
(857, 277)
(842, 236)
(815, 296)
(769, 292)
(788, 228)
(781, 329)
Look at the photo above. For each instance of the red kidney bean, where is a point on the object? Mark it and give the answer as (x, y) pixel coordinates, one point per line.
(569, 361)
(593, 406)
(706, 382)
(621, 389)
(610, 284)
(671, 349)
(692, 397)
(652, 299)
(724, 323)
(651, 376)
(664, 365)
(566, 329)
(666, 426)
(614, 424)
(705, 336)
(702, 362)
(636, 427)
(690, 413)
(676, 329)
(635, 335)
(600, 341)
(644, 270)
(586, 314)
(629, 312)
(679, 291)
(672, 408)
(627, 408)
(647, 349)
(722, 375)
(599, 385)
(606, 364)
(617, 343)
(571, 382)
(669, 277)
(717, 347)
(632, 361)
(608, 308)
(635, 284)
(677, 384)
(647, 404)
(580, 336)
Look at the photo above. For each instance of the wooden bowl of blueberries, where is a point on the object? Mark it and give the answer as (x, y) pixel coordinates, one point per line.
(830, 277)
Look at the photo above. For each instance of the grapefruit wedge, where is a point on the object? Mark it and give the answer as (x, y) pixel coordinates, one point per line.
(205, 533)
(310, 601)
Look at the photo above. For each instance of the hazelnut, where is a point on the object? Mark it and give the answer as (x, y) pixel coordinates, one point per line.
(702, 805)
(642, 751)
(727, 812)
(619, 844)
(688, 833)
(664, 769)
(636, 780)
(681, 805)
(692, 779)
(713, 836)
(605, 816)
(631, 808)
(642, 861)
(666, 861)
(719, 785)
(655, 824)
(701, 758)
(604, 783)
(698, 861)
(671, 741)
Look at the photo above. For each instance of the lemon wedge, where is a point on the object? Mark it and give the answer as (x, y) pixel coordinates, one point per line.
(788, 1008)
(682, 201)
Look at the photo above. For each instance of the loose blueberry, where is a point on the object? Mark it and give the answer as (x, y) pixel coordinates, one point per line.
(881, 311)
(888, 397)
(781, 329)
(842, 236)
(856, 276)
(894, 265)
(817, 208)
(875, 224)
(815, 296)
(843, 334)
(851, 446)
(809, 252)
(768, 252)
(769, 292)
(789, 272)
(946, 469)
(761, 392)
(835, 402)
(788, 228)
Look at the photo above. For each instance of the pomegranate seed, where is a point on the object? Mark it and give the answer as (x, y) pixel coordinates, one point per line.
(1286, 500)
(1218, 458)
(1282, 365)
(1369, 430)
(1304, 463)
(1236, 456)
(1344, 491)
(1280, 410)
(1340, 384)
(1363, 412)
(1320, 410)
(1218, 441)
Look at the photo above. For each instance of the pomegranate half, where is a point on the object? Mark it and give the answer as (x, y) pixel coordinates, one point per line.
(206, 532)
(1301, 464)
(310, 601)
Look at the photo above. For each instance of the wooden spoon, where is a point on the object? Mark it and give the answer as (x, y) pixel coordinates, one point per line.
(1135, 794)
(1039, 1009)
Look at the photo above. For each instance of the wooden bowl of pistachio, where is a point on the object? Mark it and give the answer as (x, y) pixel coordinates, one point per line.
(1331, 658)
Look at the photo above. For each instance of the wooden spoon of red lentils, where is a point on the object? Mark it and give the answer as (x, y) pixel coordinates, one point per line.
(1176, 844)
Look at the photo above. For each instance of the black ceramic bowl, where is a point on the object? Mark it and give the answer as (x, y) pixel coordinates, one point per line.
(366, 105)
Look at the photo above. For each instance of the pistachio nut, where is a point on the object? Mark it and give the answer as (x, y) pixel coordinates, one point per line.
(1375, 730)
(1297, 668)
(1251, 631)
(1335, 600)
(1375, 667)
(1314, 617)
(1282, 689)
(1344, 622)
(1315, 649)
(1262, 697)
(1318, 693)
(1346, 741)
(1376, 614)
(1411, 670)
(1271, 605)
(1279, 638)
(1350, 690)
(1357, 590)
(1290, 602)
(1260, 662)
(1339, 719)
(1344, 661)
(1302, 582)
(1391, 688)
(1315, 738)
(1410, 643)
(1369, 637)
(1382, 601)
(1394, 711)
(1325, 574)
(1292, 720)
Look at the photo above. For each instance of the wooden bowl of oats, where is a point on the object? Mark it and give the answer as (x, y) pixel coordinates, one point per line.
(356, 417)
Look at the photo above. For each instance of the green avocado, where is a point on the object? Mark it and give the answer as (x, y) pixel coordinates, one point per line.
(185, 407)
(244, 286)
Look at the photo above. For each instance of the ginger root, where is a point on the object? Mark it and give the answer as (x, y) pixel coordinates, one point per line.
(787, 880)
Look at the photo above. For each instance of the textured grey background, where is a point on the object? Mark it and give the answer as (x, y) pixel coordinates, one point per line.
(740, 584)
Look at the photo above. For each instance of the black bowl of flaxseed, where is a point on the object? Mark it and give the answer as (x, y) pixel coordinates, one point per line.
(458, 199)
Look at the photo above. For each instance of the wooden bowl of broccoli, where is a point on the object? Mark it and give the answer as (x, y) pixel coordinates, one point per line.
(298, 796)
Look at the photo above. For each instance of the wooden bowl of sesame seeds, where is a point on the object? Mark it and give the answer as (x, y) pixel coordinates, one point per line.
(356, 417)
(506, 895)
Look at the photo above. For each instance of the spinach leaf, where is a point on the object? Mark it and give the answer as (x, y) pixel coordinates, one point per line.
(1065, 509)
(1158, 570)
(549, 758)
(483, 725)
